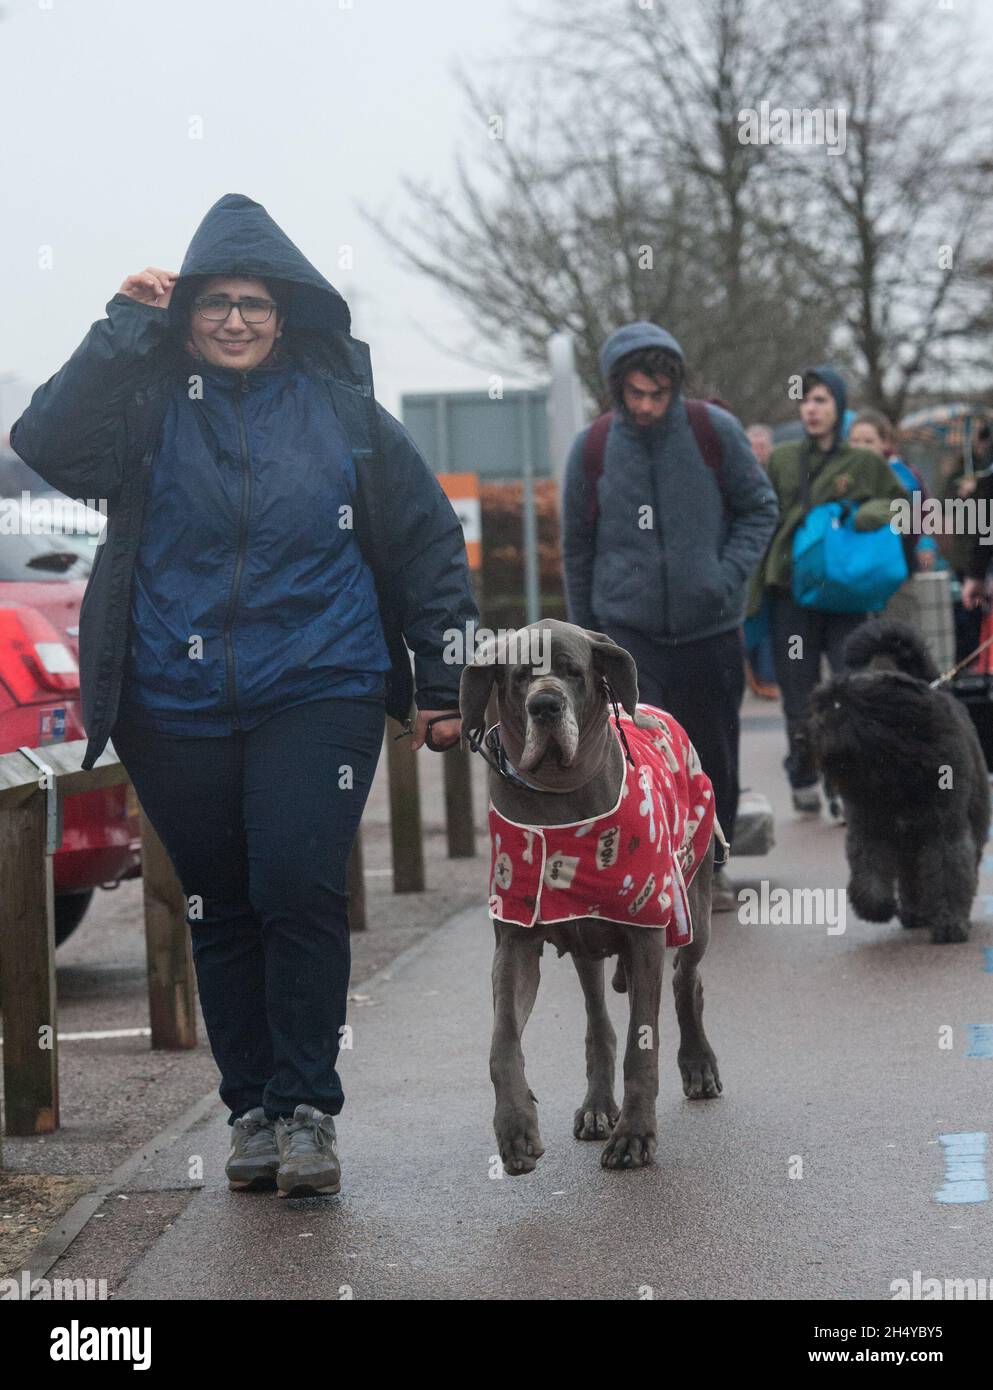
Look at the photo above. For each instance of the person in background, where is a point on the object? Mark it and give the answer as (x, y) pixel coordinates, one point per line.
(760, 668)
(975, 598)
(760, 438)
(982, 451)
(657, 552)
(960, 552)
(832, 470)
(873, 430)
(976, 555)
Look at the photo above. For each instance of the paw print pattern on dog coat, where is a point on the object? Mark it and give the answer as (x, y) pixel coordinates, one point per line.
(633, 864)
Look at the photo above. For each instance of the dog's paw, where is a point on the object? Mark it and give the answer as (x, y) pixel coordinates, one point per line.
(701, 1079)
(870, 904)
(945, 933)
(518, 1140)
(627, 1148)
(912, 920)
(595, 1119)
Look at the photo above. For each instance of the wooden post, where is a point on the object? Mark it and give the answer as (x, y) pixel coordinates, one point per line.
(171, 979)
(459, 823)
(460, 818)
(27, 971)
(405, 816)
(356, 885)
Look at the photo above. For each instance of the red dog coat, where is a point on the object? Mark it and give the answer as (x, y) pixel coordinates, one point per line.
(632, 864)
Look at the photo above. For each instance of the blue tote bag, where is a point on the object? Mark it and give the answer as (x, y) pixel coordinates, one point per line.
(840, 570)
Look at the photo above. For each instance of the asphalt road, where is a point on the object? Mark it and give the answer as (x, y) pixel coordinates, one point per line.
(829, 1048)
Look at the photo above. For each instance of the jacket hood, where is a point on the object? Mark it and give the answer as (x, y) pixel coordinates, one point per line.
(835, 383)
(631, 337)
(237, 236)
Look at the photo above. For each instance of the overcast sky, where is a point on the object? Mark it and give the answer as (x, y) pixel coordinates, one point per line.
(307, 107)
(311, 107)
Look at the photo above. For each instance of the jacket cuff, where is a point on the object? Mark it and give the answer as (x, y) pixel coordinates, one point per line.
(436, 699)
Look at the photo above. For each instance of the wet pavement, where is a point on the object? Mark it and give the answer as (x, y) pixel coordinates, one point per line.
(820, 1172)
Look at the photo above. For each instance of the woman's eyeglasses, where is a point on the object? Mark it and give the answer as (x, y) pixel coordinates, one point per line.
(215, 308)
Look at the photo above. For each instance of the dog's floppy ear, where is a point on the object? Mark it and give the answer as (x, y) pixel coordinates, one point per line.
(617, 666)
(475, 685)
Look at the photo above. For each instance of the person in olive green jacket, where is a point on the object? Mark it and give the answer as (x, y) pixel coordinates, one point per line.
(801, 636)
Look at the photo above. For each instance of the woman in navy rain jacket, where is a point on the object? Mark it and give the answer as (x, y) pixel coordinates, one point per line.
(274, 545)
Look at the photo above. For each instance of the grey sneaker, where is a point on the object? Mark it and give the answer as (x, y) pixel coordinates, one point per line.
(308, 1153)
(724, 897)
(254, 1156)
(807, 800)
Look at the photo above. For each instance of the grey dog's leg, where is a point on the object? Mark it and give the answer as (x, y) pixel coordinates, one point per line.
(516, 973)
(872, 864)
(697, 1061)
(632, 1143)
(598, 1113)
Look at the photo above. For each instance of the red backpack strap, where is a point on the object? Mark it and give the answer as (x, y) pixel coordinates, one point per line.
(594, 450)
(708, 443)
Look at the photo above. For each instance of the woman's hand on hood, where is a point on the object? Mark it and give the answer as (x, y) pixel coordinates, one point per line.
(151, 286)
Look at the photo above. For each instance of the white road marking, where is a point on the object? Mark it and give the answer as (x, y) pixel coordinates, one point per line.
(108, 1033)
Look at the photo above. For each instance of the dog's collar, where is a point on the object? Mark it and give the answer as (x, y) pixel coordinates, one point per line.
(502, 765)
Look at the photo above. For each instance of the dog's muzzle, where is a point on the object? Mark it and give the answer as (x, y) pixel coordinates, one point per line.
(550, 720)
(547, 706)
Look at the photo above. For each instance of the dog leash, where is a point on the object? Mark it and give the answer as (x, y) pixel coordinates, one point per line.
(438, 719)
(499, 762)
(617, 720)
(944, 679)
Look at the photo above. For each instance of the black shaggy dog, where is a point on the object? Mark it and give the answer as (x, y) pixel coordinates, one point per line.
(910, 771)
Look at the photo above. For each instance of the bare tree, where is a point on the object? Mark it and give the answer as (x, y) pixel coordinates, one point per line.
(613, 182)
(618, 189)
(906, 209)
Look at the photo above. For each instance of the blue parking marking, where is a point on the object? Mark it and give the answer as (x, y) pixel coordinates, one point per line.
(980, 1039)
(965, 1168)
(988, 958)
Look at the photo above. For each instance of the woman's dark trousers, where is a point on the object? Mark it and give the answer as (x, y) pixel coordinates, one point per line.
(259, 827)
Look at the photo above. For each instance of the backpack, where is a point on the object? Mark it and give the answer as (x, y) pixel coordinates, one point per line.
(595, 448)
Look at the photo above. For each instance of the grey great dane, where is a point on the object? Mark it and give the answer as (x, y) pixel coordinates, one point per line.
(554, 717)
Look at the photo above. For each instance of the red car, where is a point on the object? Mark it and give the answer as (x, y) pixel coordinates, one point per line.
(42, 581)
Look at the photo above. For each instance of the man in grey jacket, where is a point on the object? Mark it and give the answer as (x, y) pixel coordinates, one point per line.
(659, 543)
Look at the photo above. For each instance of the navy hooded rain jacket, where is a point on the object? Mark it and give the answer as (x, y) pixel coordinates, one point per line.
(281, 516)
